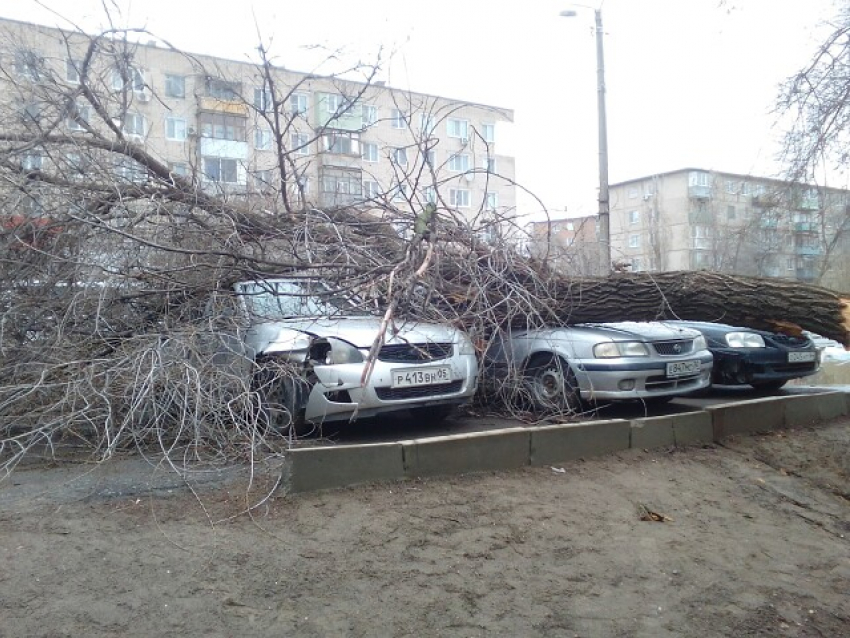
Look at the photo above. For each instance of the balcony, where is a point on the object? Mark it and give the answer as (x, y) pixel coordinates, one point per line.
(699, 192)
(808, 203)
(805, 274)
(215, 105)
(770, 223)
(808, 251)
(766, 200)
(805, 227)
(699, 216)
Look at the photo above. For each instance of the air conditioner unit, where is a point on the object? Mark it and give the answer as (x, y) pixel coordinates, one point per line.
(469, 177)
(190, 131)
(647, 197)
(143, 96)
(464, 140)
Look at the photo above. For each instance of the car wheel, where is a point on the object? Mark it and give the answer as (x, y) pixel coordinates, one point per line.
(551, 385)
(769, 386)
(432, 413)
(282, 403)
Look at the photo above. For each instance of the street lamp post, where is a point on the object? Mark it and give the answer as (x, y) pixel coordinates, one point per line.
(604, 201)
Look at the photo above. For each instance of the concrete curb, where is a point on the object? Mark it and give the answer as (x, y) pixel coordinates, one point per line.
(511, 448)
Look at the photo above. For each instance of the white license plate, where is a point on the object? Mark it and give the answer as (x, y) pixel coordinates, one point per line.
(683, 368)
(412, 377)
(798, 357)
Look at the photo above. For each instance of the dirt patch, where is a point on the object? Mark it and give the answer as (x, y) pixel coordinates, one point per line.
(757, 545)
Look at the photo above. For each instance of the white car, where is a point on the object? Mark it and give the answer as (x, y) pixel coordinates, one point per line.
(314, 349)
(559, 368)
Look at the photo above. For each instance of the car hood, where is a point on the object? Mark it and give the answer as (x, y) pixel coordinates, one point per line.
(359, 331)
(637, 331)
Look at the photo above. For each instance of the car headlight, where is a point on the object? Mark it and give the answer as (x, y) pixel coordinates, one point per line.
(613, 349)
(700, 343)
(744, 340)
(341, 352)
(465, 346)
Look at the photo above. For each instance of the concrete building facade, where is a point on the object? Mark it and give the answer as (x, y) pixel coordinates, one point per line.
(242, 128)
(693, 219)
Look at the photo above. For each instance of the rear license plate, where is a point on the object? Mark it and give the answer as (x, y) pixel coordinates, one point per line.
(413, 377)
(800, 357)
(683, 368)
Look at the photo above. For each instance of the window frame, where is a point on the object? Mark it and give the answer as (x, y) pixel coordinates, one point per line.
(171, 82)
(172, 123)
(454, 197)
(454, 126)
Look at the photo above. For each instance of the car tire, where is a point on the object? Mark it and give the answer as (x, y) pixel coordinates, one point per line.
(551, 385)
(282, 403)
(432, 413)
(769, 386)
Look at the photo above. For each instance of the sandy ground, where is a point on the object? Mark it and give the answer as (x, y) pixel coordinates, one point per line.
(758, 544)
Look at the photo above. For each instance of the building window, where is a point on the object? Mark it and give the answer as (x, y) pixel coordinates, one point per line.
(222, 127)
(130, 170)
(263, 180)
(72, 70)
(491, 201)
(223, 90)
(179, 168)
(699, 178)
(400, 192)
(430, 194)
(731, 186)
(30, 112)
(634, 240)
(701, 237)
(459, 162)
(31, 162)
(332, 104)
(746, 188)
(427, 124)
(219, 169)
(29, 65)
(490, 164)
(300, 143)
(297, 103)
(730, 212)
(370, 152)
(175, 128)
(791, 264)
(457, 128)
(371, 189)
(83, 114)
(634, 217)
(700, 259)
(342, 142)
(369, 114)
(175, 86)
(459, 197)
(262, 139)
(632, 193)
(128, 78)
(488, 132)
(400, 156)
(263, 99)
(398, 119)
(134, 124)
(636, 265)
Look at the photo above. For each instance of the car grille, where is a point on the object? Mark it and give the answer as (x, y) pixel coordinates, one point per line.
(787, 340)
(413, 352)
(397, 394)
(673, 348)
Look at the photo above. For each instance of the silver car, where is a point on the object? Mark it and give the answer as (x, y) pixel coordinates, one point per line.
(313, 347)
(561, 367)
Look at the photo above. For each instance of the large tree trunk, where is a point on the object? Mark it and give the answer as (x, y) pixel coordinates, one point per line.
(766, 304)
(524, 294)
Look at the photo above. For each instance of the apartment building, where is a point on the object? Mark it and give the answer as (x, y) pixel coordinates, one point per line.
(693, 219)
(243, 129)
(568, 245)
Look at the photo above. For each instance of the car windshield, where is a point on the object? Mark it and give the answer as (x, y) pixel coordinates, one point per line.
(289, 299)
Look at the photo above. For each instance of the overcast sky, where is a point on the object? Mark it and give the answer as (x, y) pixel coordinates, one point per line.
(690, 83)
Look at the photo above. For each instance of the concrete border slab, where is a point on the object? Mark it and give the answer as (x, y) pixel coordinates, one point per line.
(809, 409)
(571, 441)
(504, 449)
(652, 432)
(320, 468)
(692, 428)
(747, 417)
